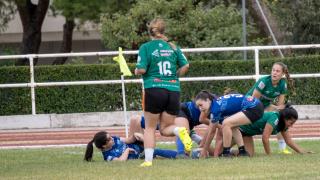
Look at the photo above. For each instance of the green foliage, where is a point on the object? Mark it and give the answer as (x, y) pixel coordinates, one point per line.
(99, 98)
(187, 24)
(300, 19)
(7, 11)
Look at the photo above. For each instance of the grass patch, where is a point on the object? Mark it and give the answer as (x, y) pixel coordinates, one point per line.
(67, 163)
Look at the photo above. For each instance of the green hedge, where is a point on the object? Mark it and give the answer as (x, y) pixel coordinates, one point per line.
(97, 98)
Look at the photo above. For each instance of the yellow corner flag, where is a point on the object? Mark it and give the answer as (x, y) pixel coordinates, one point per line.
(122, 63)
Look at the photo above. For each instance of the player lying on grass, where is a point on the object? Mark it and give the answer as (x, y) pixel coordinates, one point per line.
(114, 148)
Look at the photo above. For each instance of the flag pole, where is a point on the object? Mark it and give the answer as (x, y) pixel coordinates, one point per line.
(124, 105)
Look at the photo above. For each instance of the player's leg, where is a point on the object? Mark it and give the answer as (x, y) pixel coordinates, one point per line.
(228, 124)
(249, 144)
(181, 122)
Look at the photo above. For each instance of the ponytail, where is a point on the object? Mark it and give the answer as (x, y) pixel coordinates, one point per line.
(289, 79)
(156, 29)
(287, 113)
(99, 139)
(228, 90)
(89, 151)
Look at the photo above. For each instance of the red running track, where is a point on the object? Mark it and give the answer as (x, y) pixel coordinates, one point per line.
(76, 136)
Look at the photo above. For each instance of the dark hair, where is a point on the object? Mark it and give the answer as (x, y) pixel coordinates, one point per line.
(203, 95)
(287, 113)
(156, 29)
(289, 79)
(228, 90)
(99, 139)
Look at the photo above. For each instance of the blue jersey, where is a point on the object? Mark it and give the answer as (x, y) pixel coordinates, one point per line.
(118, 149)
(230, 104)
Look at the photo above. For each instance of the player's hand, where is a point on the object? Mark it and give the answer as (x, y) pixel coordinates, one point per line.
(131, 150)
(309, 152)
(138, 136)
(203, 153)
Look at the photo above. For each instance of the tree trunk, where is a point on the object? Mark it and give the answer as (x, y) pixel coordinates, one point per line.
(32, 17)
(66, 42)
(258, 18)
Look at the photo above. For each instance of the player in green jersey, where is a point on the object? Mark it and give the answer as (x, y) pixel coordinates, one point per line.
(161, 63)
(271, 123)
(273, 88)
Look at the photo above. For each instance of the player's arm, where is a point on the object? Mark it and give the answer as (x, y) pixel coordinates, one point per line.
(139, 71)
(281, 100)
(183, 70)
(265, 138)
(203, 119)
(287, 137)
(183, 63)
(124, 155)
(210, 134)
(257, 94)
(142, 61)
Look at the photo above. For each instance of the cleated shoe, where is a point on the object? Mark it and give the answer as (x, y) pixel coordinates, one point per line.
(285, 151)
(146, 164)
(226, 155)
(243, 154)
(185, 138)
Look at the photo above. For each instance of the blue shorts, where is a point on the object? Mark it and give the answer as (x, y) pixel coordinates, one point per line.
(138, 147)
(143, 123)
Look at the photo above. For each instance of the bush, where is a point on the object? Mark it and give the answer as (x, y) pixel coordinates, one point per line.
(99, 98)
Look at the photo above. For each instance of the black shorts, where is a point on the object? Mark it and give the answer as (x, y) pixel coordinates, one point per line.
(185, 113)
(255, 113)
(158, 100)
(244, 134)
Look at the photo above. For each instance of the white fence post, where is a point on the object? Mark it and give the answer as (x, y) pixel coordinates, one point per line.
(256, 62)
(33, 96)
(124, 105)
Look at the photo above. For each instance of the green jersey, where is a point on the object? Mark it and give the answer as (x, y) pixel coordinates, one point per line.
(267, 90)
(161, 63)
(257, 127)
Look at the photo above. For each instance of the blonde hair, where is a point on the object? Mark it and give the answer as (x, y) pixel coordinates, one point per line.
(286, 73)
(156, 29)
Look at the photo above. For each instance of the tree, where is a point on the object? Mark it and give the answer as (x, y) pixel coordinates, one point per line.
(299, 19)
(259, 20)
(83, 11)
(7, 11)
(188, 24)
(32, 16)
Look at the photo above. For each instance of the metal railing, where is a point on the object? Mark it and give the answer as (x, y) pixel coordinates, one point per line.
(32, 84)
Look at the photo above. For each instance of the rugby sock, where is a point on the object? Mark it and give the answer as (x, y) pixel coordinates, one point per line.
(148, 152)
(196, 138)
(180, 146)
(282, 144)
(176, 131)
(165, 153)
(242, 150)
(226, 150)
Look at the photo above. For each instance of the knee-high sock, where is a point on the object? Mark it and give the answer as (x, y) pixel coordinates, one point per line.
(180, 146)
(166, 153)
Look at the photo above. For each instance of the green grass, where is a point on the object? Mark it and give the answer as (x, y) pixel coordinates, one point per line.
(67, 163)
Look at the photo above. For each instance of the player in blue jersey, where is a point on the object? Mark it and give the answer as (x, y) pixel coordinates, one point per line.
(188, 117)
(231, 111)
(115, 148)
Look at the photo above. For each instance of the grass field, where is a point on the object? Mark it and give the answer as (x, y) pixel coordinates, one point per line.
(67, 163)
